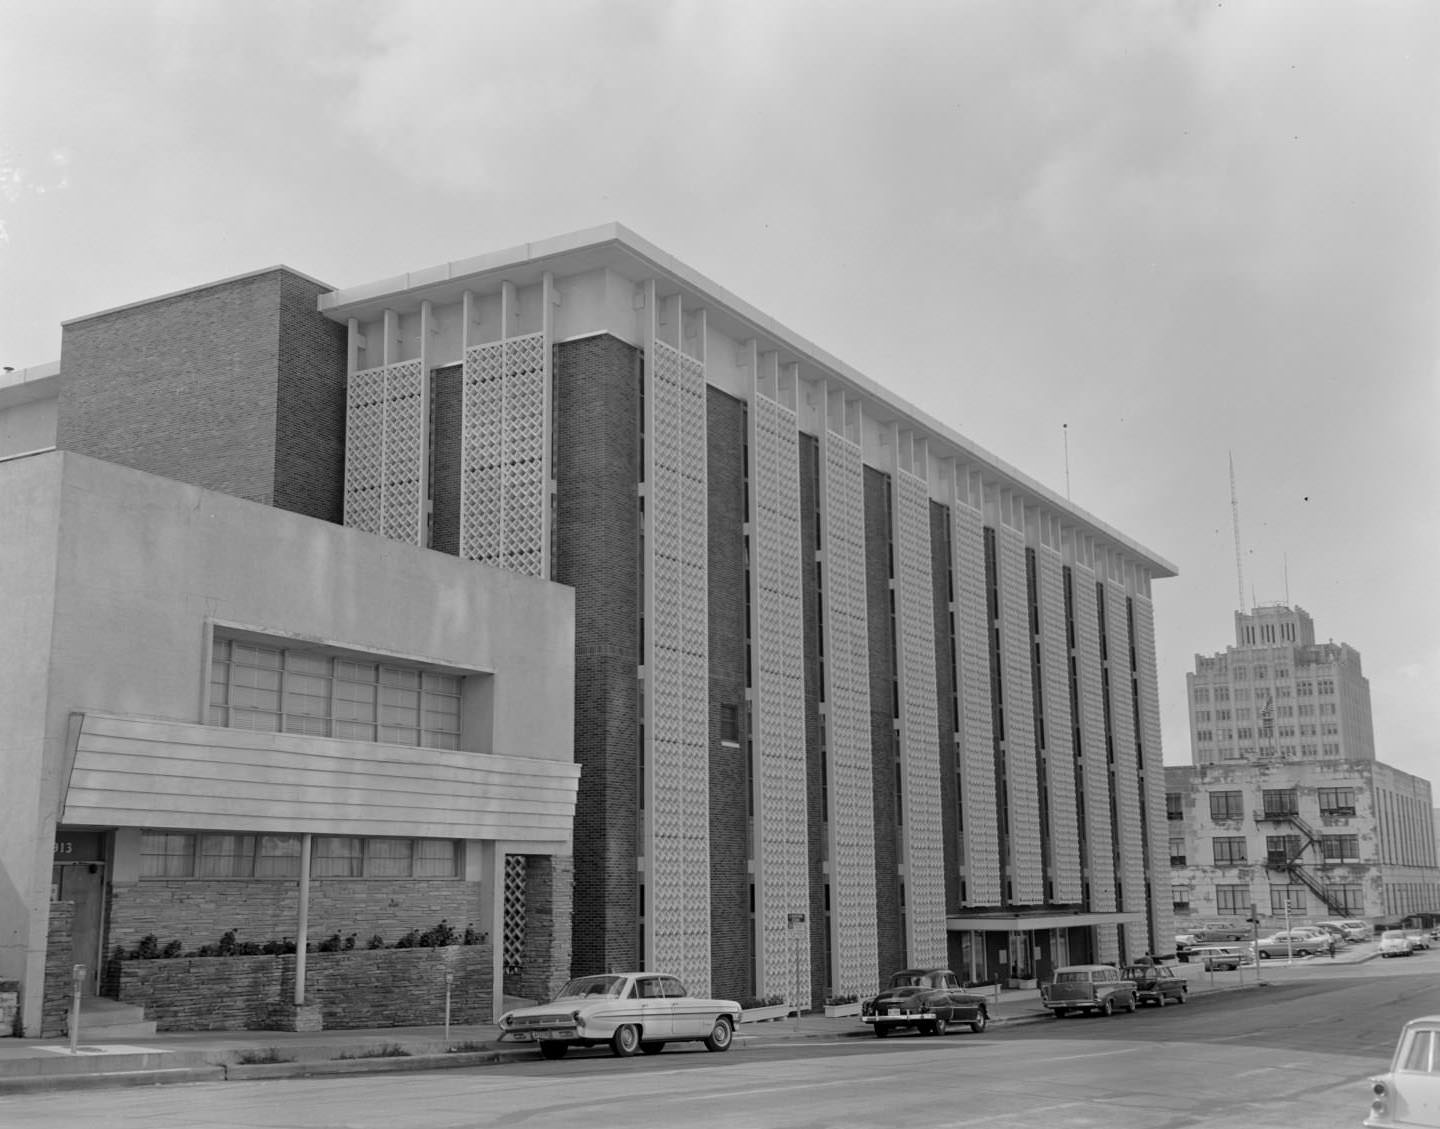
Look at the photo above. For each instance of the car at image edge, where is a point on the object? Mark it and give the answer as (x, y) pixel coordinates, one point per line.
(629, 1011)
(1409, 1094)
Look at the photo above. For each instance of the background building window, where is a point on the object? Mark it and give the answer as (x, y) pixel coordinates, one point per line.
(168, 854)
(1279, 801)
(1174, 805)
(1278, 896)
(1180, 899)
(1227, 805)
(1232, 900)
(1229, 851)
(1340, 848)
(1349, 900)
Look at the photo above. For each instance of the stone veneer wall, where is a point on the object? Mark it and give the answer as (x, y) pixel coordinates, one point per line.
(375, 988)
(196, 912)
(549, 902)
(59, 960)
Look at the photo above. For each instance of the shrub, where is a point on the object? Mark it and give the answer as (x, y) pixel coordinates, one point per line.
(261, 1056)
(387, 1050)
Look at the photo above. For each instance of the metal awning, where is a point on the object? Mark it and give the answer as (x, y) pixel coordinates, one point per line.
(1016, 923)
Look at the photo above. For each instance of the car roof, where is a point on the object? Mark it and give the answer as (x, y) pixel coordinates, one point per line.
(1084, 967)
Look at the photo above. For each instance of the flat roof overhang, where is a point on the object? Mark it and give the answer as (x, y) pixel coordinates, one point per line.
(615, 247)
(1019, 922)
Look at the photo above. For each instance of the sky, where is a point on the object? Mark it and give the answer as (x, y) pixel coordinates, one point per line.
(1118, 243)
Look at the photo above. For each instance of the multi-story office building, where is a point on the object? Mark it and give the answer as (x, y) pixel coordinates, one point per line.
(1286, 807)
(1278, 693)
(850, 692)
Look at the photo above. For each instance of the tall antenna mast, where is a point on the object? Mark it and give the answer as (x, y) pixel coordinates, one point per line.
(1235, 520)
(1065, 430)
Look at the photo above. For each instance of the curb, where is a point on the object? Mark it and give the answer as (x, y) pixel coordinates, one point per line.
(52, 1083)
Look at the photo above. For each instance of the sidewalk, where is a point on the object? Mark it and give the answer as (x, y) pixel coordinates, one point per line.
(28, 1065)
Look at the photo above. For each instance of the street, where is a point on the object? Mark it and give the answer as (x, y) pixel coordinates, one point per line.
(1295, 1053)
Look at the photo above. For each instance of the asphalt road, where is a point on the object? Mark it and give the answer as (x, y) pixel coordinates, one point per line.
(1294, 1054)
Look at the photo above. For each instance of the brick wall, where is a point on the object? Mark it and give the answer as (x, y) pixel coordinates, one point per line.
(549, 895)
(820, 978)
(196, 912)
(197, 387)
(597, 534)
(945, 684)
(309, 404)
(59, 960)
(890, 935)
(447, 407)
(379, 988)
(732, 935)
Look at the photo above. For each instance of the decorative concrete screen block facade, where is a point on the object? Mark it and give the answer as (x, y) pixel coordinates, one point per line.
(782, 885)
(850, 843)
(840, 703)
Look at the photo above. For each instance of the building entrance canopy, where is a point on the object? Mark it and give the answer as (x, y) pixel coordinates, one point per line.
(1012, 923)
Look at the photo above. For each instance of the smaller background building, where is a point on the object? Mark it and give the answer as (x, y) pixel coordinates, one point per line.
(1285, 807)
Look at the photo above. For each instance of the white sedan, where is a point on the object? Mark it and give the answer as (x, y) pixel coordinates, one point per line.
(631, 1011)
(1410, 1094)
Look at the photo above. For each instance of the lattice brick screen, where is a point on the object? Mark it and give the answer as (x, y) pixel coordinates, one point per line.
(1027, 862)
(782, 876)
(365, 449)
(924, 831)
(504, 495)
(1059, 742)
(514, 952)
(978, 798)
(403, 498)
(854, 949)
(678, 667)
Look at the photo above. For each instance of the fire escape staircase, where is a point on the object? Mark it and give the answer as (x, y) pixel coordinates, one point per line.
(1292, 865)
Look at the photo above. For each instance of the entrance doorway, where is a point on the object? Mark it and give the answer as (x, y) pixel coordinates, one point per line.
(78, 875)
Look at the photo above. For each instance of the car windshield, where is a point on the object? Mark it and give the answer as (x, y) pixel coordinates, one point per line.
(610, 986)
(1392, 935)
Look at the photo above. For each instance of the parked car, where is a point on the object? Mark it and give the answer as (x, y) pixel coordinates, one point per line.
(1409, 1095)
(631, 1011)
(1420, 938)
(1220, 934)
(1223, 957)
(1156, 984)
(1184, 942)
(929, 1000)
(1096, 988)
(1333, 929)
(1292, 943)
(1352, 929)
(1396, 943)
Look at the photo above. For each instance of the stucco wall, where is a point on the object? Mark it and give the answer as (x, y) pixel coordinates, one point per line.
(29, 505)
(148, 563)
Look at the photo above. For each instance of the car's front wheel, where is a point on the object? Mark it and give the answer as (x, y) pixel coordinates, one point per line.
(881, 1030)
(626, 1040)
(550, 1049)
(980, 1022)
(940, 1026)
(1160, 999)
(1107, 1009)
(721, 1035)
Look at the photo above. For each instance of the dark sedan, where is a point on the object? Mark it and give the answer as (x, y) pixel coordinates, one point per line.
(929, 1000)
